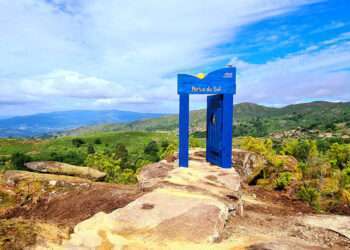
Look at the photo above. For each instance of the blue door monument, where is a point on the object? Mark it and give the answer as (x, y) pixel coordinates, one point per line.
(220, 86)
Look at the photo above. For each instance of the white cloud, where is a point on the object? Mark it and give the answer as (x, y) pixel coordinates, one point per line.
(102, 53)
(310, 74)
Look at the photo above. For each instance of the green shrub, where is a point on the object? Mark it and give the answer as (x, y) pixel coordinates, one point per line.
(164, 144)
(345, 178)
(323, 145)
(339, 155)
(77, 142)
(151, 150)
(263, 147)
(97, 141)
(121, 153)
(90, 149)
(199, 134)
(18, 160)
(169, 151)
(283, 180)
(112, 167)
(70, 157)
(310, 195)
(196, 142)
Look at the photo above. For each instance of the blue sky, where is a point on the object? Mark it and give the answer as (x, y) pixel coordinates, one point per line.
(99, 54)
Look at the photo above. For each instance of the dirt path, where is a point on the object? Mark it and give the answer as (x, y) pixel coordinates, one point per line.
(272, 220)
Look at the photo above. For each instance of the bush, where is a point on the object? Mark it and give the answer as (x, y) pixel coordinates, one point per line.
(70, 157)
(310, 195)
(77, 142)
(169, 151)
(323, 145)
(339, 155)
(18, 160)
(300, 149)
(343, 177)
(345, 174)
(111, 167)
(263, 147)
(151, 148)
(195, 142)
(90, 149)
(164, 144)
(121, 153)
(199, 134)
(283, 180)
(98, 141)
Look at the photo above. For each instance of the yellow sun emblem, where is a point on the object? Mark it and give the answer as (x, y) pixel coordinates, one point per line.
(200, 75)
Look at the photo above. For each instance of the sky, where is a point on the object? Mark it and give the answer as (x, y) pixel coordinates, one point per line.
(60, 55)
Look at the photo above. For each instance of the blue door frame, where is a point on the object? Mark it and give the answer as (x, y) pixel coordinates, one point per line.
(222, 85)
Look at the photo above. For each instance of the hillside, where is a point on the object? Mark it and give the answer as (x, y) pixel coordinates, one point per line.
(48, 123)
(251, 119)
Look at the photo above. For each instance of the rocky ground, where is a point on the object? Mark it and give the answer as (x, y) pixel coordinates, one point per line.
(38, 208)
(272, 220)
(172, 208)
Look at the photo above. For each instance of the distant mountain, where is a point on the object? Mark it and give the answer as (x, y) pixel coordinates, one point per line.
(48, 123)
(250, 119)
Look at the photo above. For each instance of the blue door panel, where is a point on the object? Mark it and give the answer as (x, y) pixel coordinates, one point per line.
(214, 129)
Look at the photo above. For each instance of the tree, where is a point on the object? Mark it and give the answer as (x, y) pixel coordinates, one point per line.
(121, 153)
(90, 149)
(260, 128)
(151, 150)
(300, 149)
(18, 160)
(77, 142)
(339, 155)
(323, 145)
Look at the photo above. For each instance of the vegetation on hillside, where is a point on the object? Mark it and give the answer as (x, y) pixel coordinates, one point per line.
(312, 120)
(319, 143)
(120, 155)
(321, 177)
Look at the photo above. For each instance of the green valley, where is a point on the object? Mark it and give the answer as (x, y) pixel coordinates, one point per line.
(315, 118)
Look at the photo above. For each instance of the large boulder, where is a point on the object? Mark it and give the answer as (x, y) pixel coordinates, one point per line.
(248, 164)
(52, 167)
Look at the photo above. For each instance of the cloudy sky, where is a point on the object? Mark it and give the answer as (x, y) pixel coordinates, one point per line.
(112, 54)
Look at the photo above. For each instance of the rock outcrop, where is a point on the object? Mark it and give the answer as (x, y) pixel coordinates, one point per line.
(186, 208)
(52, 167)
(59, 199)
(248, 164)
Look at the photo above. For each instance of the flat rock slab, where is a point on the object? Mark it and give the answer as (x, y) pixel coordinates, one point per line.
(187, 206)
(336, 223)
(52, 167)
